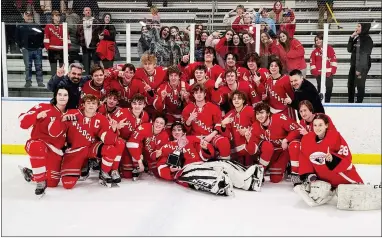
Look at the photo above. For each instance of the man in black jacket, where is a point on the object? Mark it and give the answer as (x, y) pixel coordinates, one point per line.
(360, 46)
(30, 39)
(304, 90)
(73, 81)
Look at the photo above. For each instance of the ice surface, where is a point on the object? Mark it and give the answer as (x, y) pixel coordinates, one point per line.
(153, 207)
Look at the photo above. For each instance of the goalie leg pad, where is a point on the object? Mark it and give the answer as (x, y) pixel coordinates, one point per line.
(359, 197)
(320, 192)
(304, 194)
(199, 177)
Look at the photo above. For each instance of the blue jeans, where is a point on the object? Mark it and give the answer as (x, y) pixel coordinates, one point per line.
(29, 57)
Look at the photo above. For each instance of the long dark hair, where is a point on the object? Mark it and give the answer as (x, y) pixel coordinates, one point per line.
(53, 101)
(211, 49)
(285, 45)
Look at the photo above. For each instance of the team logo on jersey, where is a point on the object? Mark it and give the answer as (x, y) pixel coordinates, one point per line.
(318, 158)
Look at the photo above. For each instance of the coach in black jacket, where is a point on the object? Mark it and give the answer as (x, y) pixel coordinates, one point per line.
(304, 90)
(73, 81)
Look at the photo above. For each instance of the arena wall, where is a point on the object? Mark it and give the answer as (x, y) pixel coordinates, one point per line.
(359, 124)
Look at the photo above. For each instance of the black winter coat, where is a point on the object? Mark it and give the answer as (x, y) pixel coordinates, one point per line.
(360, 48)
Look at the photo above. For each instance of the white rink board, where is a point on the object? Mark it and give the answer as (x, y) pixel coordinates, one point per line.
(152, 207)
(360, 126)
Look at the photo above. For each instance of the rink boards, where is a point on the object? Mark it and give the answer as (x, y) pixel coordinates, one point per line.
(359, 124)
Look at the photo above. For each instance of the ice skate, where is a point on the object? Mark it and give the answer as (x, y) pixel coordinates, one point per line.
(94, 164)
(84, 172)
(257, 178)
(136, 175)
(40, 189)
(27, 173)
(105, 179)
(115, 177)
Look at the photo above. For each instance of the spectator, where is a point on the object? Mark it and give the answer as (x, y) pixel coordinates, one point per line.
(245, 26)
(32, 6)
(291, 53)
(228, 20)
(48, 6)
(267, 45)
(79, 5)
(360, 46)
(304, 90)
(107, 44)
(225, 43)
(316, 66)
(265, 28)
(53, 41)
(199, 47)
(154, 19)
(73, 81)
(150, 3)
(263, 16)
(277, 15)
(322, 8)
(10, 14)
(88, 33)
(144, 41)
(161, 46)
(249, 43)
(289, 23)
(30, 39)
(74, 51)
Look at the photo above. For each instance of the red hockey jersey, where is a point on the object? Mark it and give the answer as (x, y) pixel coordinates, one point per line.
(131, 120)
(192, 153)
(42, 128)
(277, 91)
(242, 120)
(316, 62)
(280, 127)
(312, 159)
(53, 37)
(155, 80)
(309, 125)
(85, 131)
(212, 73)
(90, 88)
(209, 116)
(209, 85)
(172, 103)
(221, 95)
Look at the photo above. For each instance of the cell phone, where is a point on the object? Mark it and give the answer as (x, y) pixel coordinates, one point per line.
(286, 14)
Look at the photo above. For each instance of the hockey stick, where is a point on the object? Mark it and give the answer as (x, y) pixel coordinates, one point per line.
(334, 17)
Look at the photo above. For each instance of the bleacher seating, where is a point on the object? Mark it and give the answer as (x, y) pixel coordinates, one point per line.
(182, 13)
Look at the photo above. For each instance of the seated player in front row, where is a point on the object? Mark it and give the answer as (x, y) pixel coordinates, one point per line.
(325, 164)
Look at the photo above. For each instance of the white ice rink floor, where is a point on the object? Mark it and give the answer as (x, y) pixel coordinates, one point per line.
(151, 207)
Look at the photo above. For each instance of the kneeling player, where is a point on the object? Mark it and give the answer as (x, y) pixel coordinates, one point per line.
(44, 146)
(89, 136)
(276, 135)
(325, 164)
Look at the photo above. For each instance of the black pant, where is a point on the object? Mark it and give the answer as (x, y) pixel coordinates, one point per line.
(356, 81)
(150, 3)
(74, 56)
(87, 56)
(328, 86)
(53, 56)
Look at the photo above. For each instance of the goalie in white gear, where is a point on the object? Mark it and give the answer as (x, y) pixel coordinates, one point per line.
(182, 161)
(325, 164)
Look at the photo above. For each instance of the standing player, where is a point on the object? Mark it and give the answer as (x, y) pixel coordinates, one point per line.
(325, 163)
(172, 96)
(203, 119)
(231, 64)
(211, 63)
(257, 76)
(234, 126)
(95, 86)
(279, 90)
(89, 136)
(45, 145)
(200, 77)
(221, 97)
(276, 135)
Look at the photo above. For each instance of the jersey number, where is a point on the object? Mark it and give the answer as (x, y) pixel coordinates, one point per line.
(343, 150)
